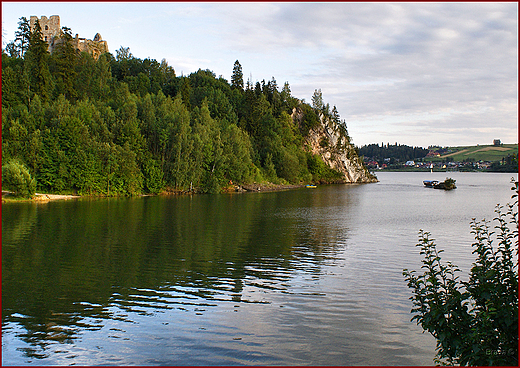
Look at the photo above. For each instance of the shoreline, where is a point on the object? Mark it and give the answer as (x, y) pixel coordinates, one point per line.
(38, 197)
(7, 196)
(270, 187)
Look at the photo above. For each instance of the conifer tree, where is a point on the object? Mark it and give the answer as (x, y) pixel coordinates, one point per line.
(317, 100)
(286, 91)
(237, 79)
(335, 115)
(37, 65)
(65, 57)
(23, 36)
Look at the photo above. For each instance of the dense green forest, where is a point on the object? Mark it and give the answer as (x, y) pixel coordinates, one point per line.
(126, 126)
(396, 152)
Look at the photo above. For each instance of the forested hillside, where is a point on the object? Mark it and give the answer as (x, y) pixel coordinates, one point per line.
(125, 126)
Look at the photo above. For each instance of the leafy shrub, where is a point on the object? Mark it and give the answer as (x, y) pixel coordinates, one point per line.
(321, 172)
(324, 142)
(16, 178)
(474, 322)
(310, 120)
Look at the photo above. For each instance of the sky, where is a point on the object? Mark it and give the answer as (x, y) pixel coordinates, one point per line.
(418, 74)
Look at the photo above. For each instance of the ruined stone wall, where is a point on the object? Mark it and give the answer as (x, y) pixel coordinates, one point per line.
(94, 47)
(50, 26)
(51, 31)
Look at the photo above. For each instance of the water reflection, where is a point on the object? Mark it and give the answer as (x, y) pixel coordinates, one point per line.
(79, 266)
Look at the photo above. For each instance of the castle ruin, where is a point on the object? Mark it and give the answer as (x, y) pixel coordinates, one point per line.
(51, 32)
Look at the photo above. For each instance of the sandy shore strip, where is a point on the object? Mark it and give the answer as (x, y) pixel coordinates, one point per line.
(38, 197)
(52, 197)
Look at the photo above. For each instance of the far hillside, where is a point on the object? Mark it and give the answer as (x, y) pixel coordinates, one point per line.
(392, 152)
(489, 153)
(493, 158)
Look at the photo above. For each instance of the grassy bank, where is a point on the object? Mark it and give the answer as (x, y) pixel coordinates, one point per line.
(477, 153)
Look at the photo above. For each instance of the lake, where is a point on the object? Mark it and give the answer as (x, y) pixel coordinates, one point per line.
(298, 277)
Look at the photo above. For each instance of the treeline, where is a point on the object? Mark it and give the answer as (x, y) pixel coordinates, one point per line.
(124, 126)
(396, 152)
(508, 164)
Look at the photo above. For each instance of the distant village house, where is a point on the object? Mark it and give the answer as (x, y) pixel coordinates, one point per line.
(433, 154)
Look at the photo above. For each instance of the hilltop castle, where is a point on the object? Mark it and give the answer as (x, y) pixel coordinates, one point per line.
(51, 32)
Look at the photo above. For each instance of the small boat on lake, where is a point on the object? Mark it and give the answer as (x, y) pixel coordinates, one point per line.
(430, 183)
(310, 186)
(447, 184)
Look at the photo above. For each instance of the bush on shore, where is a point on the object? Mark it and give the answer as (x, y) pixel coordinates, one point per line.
(474, 322)
(16, 178)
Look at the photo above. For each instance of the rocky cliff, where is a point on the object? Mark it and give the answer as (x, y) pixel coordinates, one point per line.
(330, 140)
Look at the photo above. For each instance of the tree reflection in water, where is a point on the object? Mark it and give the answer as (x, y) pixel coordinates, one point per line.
(69, 267)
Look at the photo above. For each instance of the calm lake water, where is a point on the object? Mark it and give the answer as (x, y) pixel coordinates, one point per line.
(299, 277)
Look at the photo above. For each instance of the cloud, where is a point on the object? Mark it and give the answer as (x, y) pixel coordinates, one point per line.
(403, 70)
(433, 58)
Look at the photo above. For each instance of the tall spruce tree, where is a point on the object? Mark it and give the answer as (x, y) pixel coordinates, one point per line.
(317, 100)
(23, 36)
(65, 58)
(237, 79)
(37, 63)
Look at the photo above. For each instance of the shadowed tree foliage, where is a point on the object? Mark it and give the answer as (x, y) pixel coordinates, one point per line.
(63, 65)
(475, 322)
(16, 178)
(397, 152)
(125, 126)
(37, 63)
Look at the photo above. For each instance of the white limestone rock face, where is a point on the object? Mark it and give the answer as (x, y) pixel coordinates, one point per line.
(331, 142)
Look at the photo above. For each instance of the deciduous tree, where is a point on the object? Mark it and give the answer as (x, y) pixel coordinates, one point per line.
(475, 322)
(16, 177)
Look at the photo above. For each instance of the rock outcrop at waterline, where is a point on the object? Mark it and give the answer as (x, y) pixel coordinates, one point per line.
(330, 140)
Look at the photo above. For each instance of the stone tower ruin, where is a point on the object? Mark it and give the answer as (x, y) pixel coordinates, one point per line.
(51, 32)
(50, 26)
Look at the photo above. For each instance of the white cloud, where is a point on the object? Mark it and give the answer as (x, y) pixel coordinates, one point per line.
(404, 71)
